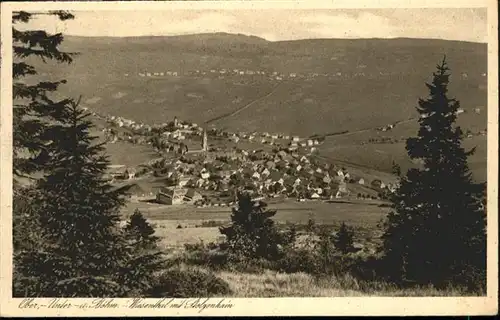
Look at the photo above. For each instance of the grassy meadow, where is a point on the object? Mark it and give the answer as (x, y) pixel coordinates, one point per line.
(275, 284)
(395, 72)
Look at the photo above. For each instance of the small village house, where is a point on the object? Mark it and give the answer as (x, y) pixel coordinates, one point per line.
(377, 183)
(192, 196)
(171, 196)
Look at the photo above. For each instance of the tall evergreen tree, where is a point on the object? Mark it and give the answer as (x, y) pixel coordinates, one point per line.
(85, 253)
(34, 105)
(140, 232)
(253, 233)
(32, 110)
(344, 239)
(436, 230)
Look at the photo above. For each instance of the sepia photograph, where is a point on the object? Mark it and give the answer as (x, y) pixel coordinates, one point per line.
(184, 157)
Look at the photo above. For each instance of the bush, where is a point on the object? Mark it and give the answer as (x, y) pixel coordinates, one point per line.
(213, 259)
(344, 238)
(212, 223)
(298, 260)
(178, 283)
(252, 233)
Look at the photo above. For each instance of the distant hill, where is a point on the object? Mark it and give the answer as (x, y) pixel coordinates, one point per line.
(376, 82)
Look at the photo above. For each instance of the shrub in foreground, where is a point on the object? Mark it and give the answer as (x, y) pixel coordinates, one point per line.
(252, 233)
(190, 282)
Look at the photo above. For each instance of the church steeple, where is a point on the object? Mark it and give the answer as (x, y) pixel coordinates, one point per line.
(204, 144)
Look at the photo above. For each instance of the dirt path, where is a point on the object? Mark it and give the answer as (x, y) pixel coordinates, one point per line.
(348, 133)
(351, 164)
(227, 115)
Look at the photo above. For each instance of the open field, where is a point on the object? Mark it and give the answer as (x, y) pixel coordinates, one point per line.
(387, 92)
(275, 284)
(176, 238)
(391, 76)
(166, 219)
(381, 156)
(289, 210)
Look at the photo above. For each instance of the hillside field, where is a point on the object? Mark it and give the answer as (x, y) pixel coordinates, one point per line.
(341, 85)
(359, 214)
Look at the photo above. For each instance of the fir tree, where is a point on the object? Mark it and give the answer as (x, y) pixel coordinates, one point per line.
(253, 233)
(85, 253)
(32, 114)
(343, 239)
(34, 106)
(140, 232)
(436, 230)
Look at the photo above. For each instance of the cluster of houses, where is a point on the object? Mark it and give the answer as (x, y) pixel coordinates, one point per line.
(169, 135)
(280, 140)
(118, 172)
(386, 128)
(174, 196)
(458, 112)
(156, 74)
(285, 171)
(265, 174)
(273, 75)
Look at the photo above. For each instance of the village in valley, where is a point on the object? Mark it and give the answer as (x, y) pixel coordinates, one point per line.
(205, 166)
(237, 161)
(267, 165)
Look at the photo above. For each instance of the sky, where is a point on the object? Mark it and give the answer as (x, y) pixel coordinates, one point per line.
(466, 24)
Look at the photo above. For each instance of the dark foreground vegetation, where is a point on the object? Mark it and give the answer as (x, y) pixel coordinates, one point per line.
(68, 241)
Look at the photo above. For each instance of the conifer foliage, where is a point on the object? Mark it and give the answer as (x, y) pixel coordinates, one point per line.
(140, 232)
(253, 233)
(344, 239)
(34, 104)
(436, 230)
(85, 252)
(67, 238)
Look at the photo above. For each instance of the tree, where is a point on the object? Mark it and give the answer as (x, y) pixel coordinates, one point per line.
(85, 253)
(436, 230)
(343, 239)
(253, 233)
(34, 107)
(140, 232)
(33, 111)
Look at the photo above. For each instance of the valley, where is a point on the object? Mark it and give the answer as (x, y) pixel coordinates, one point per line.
(354, 100)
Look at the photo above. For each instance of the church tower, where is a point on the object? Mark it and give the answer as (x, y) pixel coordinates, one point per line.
(204, 145)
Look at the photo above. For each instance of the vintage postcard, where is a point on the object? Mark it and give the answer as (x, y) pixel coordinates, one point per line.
(249, 158)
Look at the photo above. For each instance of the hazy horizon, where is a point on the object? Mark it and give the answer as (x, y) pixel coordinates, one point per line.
(249, 35)
(469, 24)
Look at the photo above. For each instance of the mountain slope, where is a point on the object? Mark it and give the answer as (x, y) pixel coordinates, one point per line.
(370, 82)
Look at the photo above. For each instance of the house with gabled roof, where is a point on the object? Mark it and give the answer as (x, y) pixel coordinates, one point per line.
(327, 179)
(340, 174)
(297, 182)
(265, 172)
(314, 196)
(256, 175)
(171, 196)
(304, 159)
